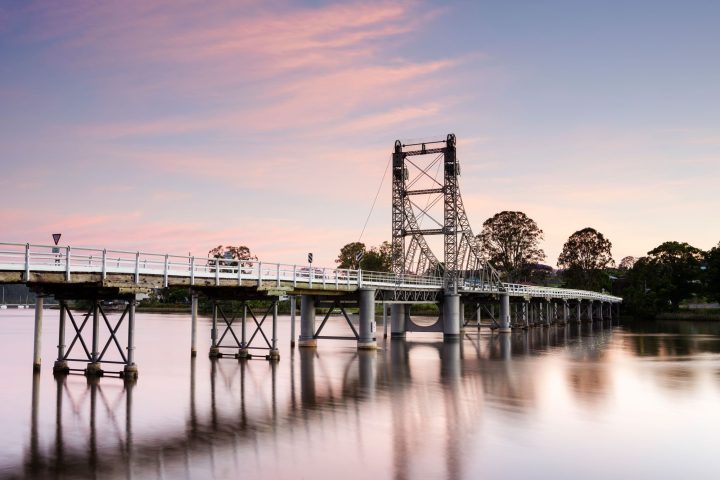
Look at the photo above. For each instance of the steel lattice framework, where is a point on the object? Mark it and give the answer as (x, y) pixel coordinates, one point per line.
(462, 259)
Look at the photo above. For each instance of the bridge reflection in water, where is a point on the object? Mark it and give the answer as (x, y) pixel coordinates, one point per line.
(275, 420)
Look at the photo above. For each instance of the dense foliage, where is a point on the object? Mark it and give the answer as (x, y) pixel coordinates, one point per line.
(510, 241)
(584, 258)
(670, 273)
(376, 259)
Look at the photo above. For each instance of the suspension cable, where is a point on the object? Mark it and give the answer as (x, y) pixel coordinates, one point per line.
(375, 201)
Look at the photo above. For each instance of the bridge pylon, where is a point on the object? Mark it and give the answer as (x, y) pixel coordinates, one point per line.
(411, 254)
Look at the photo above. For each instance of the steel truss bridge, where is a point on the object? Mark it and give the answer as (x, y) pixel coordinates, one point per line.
(463, 279)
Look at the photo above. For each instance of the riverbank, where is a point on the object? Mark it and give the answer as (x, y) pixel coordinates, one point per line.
(700, 315)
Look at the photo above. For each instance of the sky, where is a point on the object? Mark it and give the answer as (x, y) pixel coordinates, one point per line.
(176, 126)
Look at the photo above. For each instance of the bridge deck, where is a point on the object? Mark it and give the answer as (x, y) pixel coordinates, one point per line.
(45, 264)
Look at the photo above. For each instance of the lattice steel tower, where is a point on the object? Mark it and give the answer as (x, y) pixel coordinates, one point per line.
(462, 258)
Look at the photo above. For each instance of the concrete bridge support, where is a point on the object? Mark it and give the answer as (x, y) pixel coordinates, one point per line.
(214, 349)
(504, 320)
(39, 303)
(525, 314)
(293, 308)
(589, 312)
(397, 320)
(94, 368)
(61, 365)
(451, 316)
(307, 322)
(366, 340)
(131, 371)
(566, 312)
(193, 327)
(578, 313)
(274, 353)
(600, 310)
(461, 316)
(548, 312)
(244, 351)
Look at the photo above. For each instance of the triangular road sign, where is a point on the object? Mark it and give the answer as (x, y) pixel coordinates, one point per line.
(56, 237)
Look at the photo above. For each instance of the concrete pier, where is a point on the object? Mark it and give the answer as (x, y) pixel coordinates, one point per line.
(293, 308)
(548, 313)
(61, 365)
(367, 320)
(130, 372)
(504, 320)
(451, 316)
(94, 368)
(193, 327)
(397, 320)
(307, 322)
(244, 352)
(578, 314)
(39, 302)
(214, 350)
(274, 353)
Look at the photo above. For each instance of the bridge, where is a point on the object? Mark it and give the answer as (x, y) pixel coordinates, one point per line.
(464, 280)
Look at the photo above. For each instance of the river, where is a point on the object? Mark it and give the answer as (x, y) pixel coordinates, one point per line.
(591, 402)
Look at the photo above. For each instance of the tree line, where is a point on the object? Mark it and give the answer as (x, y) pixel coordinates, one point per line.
(660, 281)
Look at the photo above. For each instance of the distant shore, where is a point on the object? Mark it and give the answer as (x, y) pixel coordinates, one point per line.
(692, 314)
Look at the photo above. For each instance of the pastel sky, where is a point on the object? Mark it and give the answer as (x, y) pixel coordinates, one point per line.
(175, 126)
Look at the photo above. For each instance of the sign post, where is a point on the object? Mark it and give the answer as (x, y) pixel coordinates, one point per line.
(55, 249)
(311, 272)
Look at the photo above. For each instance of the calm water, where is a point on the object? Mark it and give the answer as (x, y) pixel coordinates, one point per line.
(601, 402)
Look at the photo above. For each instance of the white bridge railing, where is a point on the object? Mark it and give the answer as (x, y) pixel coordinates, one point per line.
(78, 260)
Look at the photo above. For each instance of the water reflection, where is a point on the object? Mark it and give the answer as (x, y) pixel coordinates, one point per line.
(419, 400)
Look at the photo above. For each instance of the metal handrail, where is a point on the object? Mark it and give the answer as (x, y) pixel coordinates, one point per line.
(70, 260)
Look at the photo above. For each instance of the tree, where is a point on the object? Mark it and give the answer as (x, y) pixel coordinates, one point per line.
(627, 263)
(235, 253)
(510, 241)
(348, 257)
(712, 265)
(378, 259)
(677, 272)
(228, 255)
(584, 257)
